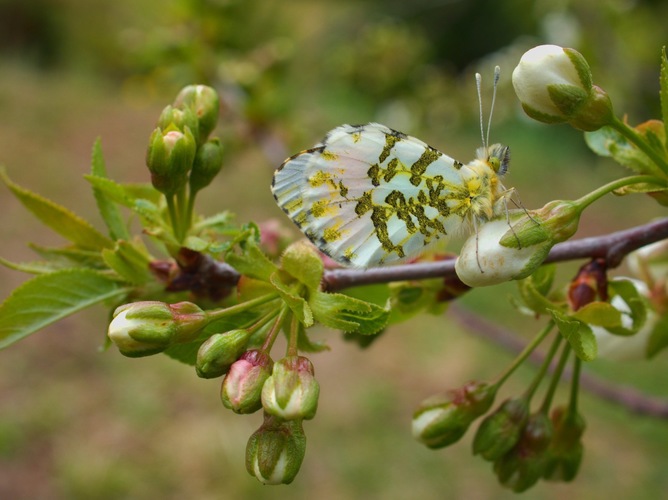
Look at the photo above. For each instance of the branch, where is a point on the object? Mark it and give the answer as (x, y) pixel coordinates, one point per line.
(627, 397)
(612, 247)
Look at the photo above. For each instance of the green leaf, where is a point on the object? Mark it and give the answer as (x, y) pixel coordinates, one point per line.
(148, 211)
(635, 302)
(543, 278)
(579, 335)
(608, 142)
(658, 338)
(599, 314)
(58, 218)
(196, 244)
(130, 261)
(47, 298)
(108, 209)
(111, 190)
(663, 94)
(70, 254)
(305, 344)
(349, 314)
(251, 261)
(39, 267)
(533, 296)
(220, 223)
(645, 187)
(301, 261)
(296, 303)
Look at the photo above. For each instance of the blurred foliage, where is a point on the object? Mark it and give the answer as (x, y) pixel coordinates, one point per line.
(83, 425)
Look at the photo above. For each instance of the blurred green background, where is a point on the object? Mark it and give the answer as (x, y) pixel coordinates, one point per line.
(79, 423)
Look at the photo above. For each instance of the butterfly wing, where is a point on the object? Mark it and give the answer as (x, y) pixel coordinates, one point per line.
(370, 195)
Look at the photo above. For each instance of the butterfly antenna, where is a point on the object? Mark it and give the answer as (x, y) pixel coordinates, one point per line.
(497, 75)
(478, 84)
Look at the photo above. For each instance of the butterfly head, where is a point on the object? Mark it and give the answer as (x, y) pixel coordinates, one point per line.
(497, 156)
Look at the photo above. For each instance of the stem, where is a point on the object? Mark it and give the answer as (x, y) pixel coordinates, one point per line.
(294, 337)
(273, 333)
(185, 222)
(575, 386)
(249, 304)
(640, 143)
(263, 321)
(525, 353)
(556, 376)
(173, 215)
(590, 198)
(543, 368)
(191, 207)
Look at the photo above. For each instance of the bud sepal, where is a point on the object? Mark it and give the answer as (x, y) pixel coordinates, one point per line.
(291, 392)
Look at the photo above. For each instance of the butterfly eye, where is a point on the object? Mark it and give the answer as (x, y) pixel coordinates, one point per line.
(494, 162)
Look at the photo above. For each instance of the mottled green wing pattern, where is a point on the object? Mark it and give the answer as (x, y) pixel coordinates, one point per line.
(369, 195)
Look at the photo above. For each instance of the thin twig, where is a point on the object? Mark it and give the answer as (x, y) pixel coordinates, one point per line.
(612, 247)
(627, 397)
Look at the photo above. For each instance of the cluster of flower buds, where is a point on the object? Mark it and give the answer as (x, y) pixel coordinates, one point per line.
(288, 396)
(179, 148)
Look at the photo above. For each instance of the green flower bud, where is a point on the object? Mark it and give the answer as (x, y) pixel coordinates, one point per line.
(276, 450)
(501, 430)
(241, 391)
(145, 328)
(525, 463)
(291, 392)
(179, 119)
(500, 252)
(204, 102)
(566, 450)
(169, 158)
(218, 352)
(554, 85)
(442, 420)
(207, 164)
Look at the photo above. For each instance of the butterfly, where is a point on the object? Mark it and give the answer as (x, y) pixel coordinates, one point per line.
(368, 195)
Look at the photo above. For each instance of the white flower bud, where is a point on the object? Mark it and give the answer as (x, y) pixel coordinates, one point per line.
(554, 85)
(620, 347)
(483, 261)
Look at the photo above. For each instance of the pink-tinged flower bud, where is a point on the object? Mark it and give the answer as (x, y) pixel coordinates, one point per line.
(291, 392)
(442, 420)
(525, 463)
(501, 430)
(169, 158)
(276, 450)
(241, 391)
(566, 450)
(207, 164)
(218, 352)
(204, 102)
(145, 328)
(501, 252)
(554, 85)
